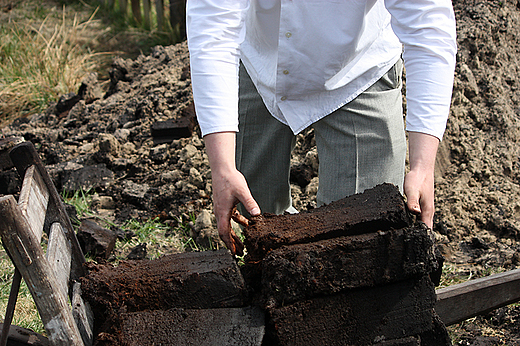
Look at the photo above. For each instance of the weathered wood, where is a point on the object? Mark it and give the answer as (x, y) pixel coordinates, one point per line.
(27, 255)
(136, 10)
(5, 146)
(23, 156)
(59, 255)
(459, 302)
(11, 304)
(33, 200)
(82, 315)
(380, 208)
(211, 327)
(19, 336)
(304, 271)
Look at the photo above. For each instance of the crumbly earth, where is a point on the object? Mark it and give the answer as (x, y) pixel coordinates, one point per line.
(477, 223)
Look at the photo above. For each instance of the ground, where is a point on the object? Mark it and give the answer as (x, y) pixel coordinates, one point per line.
(477, 222)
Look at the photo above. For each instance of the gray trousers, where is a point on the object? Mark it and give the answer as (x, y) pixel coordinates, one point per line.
(359, 146)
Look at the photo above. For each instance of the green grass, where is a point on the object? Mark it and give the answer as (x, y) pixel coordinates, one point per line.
(25, 314)
(158, 236)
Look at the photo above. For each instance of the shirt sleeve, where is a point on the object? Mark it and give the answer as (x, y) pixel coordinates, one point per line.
(427, 30)
(215, 30)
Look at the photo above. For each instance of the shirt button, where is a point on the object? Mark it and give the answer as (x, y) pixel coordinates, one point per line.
(285, 72)
(283, 98)
(288, 34)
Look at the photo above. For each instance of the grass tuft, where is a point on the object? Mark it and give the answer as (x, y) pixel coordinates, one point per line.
(38, 63)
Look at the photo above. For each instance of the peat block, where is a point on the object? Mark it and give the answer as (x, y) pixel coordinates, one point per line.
(378, 209)
(192, 280)
(199, 327)
(358, 317)
(303, 271)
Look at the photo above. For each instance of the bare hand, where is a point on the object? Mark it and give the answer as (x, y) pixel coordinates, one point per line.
(229, 187)
(419, 182)
(419, 191)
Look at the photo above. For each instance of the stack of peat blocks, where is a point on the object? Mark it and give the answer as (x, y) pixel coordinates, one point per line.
(355, 272)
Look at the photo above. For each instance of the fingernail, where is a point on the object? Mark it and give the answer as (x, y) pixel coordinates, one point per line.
(255, 212)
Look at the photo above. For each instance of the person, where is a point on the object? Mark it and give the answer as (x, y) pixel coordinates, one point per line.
(264, 70)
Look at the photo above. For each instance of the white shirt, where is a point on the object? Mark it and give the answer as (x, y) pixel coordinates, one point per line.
(308, 58)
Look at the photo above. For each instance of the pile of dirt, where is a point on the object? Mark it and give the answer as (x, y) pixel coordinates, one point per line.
(103, 141)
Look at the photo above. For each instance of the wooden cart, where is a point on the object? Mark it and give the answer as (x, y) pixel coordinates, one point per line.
(51, 276)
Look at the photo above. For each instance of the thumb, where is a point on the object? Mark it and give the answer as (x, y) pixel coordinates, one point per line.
(251, 206)
(412, 201)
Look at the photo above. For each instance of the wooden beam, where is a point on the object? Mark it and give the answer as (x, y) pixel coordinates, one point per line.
(59, 254)
(457, 303)
(28, 257)
(83, 315)
(25, 155)
(33, 200)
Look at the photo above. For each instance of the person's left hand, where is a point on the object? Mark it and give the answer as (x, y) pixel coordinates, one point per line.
(419, 191)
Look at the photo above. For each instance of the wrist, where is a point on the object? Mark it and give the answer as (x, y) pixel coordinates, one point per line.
(220, 147)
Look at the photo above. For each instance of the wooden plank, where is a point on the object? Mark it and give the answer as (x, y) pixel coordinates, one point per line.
(159, 11)
(33, 201)
(59, 255)
(146, 13)
(23, 156)
(11, 305)
(28, 257)
(459, 302)
(136, 10)
(82, 315)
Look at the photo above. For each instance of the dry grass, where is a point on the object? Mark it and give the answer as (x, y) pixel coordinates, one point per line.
(40, 62)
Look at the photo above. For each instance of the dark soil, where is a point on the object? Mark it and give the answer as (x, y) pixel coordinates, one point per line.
(477, 225)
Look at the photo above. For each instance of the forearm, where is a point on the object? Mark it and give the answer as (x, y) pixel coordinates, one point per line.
(220, 148)
(422, 151)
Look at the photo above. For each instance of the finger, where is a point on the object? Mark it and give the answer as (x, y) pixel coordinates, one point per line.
(239, 218)
(250, 204)
(224, 231)
(239, 246)
(412, 201)
(427, 211)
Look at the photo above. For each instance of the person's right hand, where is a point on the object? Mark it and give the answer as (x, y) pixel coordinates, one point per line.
(229, 187)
